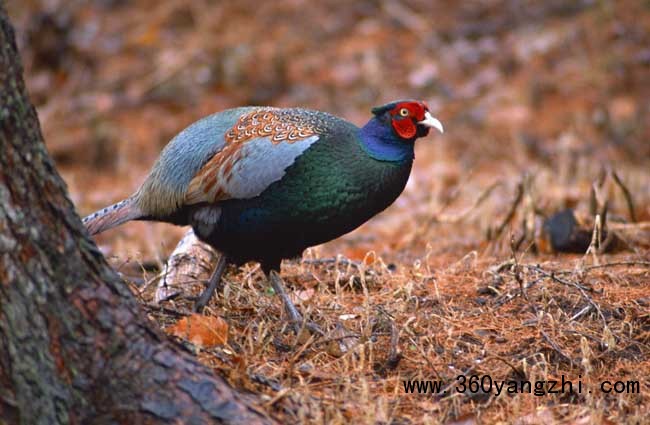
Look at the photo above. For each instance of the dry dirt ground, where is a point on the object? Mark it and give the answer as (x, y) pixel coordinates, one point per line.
(546, 104)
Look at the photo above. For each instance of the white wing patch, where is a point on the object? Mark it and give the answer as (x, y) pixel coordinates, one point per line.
(263, 163)
(243, 170)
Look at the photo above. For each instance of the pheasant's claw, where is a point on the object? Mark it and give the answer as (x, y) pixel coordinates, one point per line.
(295, 317)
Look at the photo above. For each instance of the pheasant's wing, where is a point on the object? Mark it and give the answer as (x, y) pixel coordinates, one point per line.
(256, 152)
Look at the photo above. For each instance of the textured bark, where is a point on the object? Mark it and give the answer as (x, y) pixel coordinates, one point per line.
(74, 347)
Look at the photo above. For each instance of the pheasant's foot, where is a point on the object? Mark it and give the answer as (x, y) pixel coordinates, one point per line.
(213, 284)
(296, 319)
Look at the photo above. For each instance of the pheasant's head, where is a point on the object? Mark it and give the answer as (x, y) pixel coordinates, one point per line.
(409, 119)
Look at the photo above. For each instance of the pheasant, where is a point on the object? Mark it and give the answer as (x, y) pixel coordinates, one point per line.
(263, 184)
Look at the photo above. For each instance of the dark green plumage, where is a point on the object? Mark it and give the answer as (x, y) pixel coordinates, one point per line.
(331, 189)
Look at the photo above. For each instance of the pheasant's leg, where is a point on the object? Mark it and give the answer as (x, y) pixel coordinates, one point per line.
(213, 283)
(278, 287)
(292, 311)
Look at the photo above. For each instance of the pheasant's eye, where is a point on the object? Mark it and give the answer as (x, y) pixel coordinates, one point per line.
(404, 112)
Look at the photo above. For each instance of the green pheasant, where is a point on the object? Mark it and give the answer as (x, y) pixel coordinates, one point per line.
(262, 184)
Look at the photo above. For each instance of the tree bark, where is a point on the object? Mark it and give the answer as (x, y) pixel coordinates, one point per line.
(74, 346)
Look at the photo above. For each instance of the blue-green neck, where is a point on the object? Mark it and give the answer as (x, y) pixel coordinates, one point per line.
(381, 142)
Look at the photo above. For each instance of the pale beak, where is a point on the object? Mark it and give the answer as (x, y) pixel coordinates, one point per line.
(431, 122)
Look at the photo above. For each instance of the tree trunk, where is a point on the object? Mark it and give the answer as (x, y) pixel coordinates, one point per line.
(74, 347)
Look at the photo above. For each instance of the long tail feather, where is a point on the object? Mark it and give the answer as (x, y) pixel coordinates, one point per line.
(112, 216)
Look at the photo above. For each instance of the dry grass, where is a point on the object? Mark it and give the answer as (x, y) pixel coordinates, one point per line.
(446, 315)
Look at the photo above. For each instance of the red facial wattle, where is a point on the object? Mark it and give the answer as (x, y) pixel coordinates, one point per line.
(405, 126)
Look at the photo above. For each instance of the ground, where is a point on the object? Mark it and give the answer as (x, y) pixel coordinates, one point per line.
(541, 101)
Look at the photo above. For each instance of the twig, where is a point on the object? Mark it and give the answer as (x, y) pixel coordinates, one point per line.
(581, 313)
(506, 362)
(168, 310)
(615, 264)
(591, 301)
(501, 266)
(553, 276)
(627, 194)
(509, 297)
(528, 222)
(394, 356)
(511, 212)
(341, 261)
(265, 380)
(305, 324)
(641, 225)
(322, 341)
(594, 245)
(426, 359)
(277, 397)
(517, 270)
(445, 390)
(581, 288)
(555, 346)
(137, 281)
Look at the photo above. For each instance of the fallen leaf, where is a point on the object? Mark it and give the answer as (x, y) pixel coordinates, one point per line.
(204, 331)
